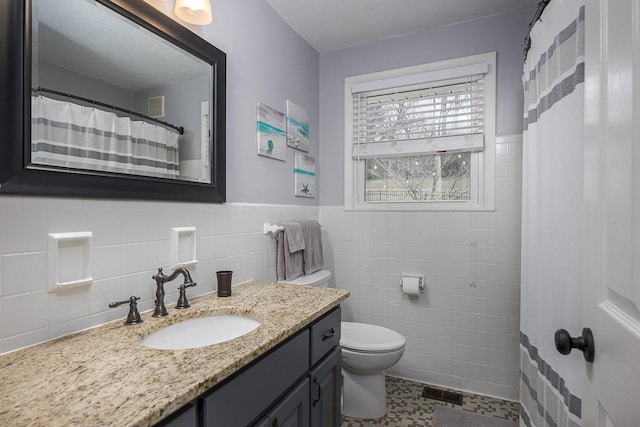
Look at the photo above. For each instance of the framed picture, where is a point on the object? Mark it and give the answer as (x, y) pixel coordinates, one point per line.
(304, 175)
(297, 127)
(272, 136)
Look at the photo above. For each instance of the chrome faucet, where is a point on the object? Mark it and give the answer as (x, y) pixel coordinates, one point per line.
(161, 279)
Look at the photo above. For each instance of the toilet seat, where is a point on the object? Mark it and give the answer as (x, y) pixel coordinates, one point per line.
(366, 338)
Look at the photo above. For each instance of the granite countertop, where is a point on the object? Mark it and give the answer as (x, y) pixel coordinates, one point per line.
(104, 377)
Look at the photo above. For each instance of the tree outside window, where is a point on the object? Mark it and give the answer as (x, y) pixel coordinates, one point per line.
(442, 177)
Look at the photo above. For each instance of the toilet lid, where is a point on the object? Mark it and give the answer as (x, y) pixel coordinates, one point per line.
(365, 337)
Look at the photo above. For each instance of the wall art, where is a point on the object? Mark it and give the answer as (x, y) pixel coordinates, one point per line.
(272, 135)
(297, 127)
(304, 175)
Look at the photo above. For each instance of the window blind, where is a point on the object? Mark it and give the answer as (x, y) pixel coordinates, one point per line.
(420, 119)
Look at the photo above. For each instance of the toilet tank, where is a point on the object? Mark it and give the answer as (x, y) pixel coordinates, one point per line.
(319, 278)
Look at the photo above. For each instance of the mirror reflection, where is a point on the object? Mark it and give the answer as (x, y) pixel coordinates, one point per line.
(112, 97)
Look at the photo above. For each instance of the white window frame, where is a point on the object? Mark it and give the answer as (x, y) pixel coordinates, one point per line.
(482, 163)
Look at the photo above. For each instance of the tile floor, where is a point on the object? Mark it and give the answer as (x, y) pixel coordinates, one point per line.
(407, 407)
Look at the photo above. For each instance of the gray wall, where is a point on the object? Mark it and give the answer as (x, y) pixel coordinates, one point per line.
(266, 62)
(182, 108)
(502, 33)
(53, 77)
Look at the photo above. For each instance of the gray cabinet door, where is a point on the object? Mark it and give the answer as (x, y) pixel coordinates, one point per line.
(185, 417)
(244, 397)
(265, 422)
(326, 391)
(293, 409)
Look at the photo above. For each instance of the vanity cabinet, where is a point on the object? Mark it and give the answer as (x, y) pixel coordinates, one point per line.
(297, 384)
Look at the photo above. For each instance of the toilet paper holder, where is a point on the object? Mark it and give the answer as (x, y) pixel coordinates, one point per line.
(422, 279)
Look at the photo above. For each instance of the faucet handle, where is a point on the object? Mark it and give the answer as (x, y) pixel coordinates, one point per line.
(134, 316)
(182, 299)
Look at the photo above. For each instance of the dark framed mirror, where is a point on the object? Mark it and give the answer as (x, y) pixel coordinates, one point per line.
(109, 99)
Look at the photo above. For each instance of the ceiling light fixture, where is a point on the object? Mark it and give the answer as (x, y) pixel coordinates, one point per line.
(196, 12)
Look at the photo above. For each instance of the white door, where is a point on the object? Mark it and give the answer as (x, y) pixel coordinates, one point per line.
(611, 297)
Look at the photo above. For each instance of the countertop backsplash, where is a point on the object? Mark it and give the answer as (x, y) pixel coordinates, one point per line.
(130, 240)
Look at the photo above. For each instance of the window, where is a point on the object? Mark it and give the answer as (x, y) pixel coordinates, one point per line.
(422, 137)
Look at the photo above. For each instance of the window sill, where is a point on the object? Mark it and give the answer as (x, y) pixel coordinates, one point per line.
(419, 208)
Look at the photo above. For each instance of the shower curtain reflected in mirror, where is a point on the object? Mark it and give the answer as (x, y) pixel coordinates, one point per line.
(74, 136)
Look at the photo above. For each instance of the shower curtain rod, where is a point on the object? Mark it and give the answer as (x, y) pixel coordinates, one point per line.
(542, 4)
(180, 129)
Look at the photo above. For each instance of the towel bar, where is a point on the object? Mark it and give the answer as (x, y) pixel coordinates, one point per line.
(272, 229)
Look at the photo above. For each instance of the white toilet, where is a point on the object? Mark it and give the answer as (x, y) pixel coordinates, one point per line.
(367, 351)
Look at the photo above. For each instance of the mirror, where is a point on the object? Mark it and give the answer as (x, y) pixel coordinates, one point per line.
(117, 100)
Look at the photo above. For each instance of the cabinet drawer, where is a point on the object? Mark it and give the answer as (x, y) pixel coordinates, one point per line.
(325, 334)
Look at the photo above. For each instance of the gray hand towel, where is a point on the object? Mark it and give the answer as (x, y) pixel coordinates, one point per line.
(288, 265)
(313, 257)
(295, 238)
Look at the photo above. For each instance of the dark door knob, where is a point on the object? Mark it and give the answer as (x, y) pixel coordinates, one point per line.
(565, 343)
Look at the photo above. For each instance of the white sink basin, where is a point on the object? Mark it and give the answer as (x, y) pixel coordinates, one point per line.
(200, 332)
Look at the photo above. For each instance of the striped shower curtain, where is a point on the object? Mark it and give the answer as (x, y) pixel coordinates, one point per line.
(551, 384)
(69, 135)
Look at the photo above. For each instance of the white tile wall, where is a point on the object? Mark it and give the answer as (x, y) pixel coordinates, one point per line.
(463, 331)
(130, 241)
(459, 334)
